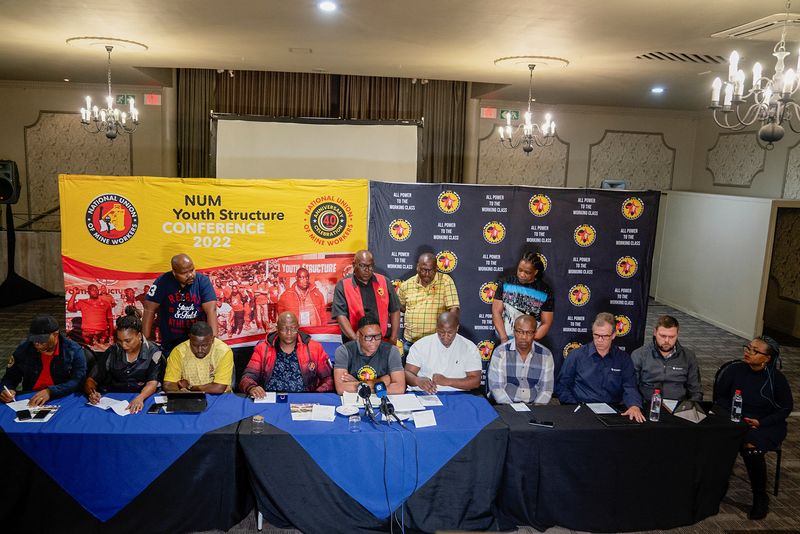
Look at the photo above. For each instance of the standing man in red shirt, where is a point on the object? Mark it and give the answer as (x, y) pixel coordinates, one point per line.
(304, 300)
(97, 321)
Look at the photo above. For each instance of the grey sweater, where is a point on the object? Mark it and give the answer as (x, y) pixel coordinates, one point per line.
(678, 377)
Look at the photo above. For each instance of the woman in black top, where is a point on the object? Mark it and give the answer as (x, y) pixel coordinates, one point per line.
(766, 403)
(133, 364)
(523, 294)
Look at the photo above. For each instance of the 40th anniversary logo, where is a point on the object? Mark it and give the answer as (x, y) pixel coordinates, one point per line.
(329, 220)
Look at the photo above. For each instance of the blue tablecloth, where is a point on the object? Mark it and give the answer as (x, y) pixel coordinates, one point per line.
(103, 460)
(381, 466)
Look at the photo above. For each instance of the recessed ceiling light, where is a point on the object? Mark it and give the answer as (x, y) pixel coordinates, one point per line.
(657, 90)
(327, 6)
(66, 79)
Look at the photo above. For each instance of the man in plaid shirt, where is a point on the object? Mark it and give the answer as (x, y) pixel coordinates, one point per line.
(423, 297)
(521, 369)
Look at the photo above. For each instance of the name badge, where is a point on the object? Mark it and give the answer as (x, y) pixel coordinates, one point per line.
(677, 368)
(616, 370)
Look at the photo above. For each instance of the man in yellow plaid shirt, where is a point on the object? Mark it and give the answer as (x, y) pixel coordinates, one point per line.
(423, 297)
(202, 363)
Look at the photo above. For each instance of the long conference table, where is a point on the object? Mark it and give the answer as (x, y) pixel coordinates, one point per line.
(479, 468)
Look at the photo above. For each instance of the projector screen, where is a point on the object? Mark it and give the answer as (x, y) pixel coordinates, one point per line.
(255, 147)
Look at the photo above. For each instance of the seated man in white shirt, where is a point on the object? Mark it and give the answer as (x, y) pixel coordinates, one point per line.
(444, 360)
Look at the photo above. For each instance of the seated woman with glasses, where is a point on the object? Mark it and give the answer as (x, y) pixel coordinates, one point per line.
(368, 359)
(766, 403)
(131, 365)
(287, 361)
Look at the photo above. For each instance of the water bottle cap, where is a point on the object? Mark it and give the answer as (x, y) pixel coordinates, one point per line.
(657, 391)
(738, 391)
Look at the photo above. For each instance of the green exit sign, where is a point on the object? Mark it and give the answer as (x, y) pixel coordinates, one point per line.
(123, 100)
(513, 112)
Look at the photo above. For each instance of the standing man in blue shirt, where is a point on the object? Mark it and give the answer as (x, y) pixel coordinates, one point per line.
(181, 297)
(600, 372)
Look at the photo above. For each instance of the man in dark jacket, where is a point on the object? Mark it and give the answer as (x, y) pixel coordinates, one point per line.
(287, 361)
(665, 364)
(47, 363)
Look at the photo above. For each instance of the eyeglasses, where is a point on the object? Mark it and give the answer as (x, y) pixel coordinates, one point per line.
(371, 337)
(602, 337)
(750, 350)
(288, 330)
(526, 333)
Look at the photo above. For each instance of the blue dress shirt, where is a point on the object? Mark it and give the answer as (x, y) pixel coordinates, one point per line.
(588, 377)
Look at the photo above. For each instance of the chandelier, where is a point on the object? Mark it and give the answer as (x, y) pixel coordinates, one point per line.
(109, 120)
(541, 136)
(768, 100)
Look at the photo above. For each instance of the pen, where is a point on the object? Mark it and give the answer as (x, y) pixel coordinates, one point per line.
(576, 409)
(9, 391)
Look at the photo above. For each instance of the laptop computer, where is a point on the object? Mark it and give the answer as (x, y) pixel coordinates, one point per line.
(186, 402)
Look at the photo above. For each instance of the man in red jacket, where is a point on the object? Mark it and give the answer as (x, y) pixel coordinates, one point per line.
(287, 361)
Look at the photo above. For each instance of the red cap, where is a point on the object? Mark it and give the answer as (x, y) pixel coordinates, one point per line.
(738, 392)
(657, 391)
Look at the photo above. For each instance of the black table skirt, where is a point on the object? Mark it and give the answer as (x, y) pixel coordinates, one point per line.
(584, 476)
(291, 490)
(206, 488)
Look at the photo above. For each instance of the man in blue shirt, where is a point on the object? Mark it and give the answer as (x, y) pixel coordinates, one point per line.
(181, 297)
(600, 372)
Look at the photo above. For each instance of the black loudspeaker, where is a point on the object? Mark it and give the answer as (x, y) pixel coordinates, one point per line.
(9, 182)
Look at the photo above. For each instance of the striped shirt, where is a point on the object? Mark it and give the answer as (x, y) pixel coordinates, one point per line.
(513, 380)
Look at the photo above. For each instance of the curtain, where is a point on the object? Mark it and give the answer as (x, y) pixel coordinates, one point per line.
(440, 105)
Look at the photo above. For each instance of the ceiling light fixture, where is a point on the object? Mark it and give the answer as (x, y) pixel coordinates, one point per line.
(109, 120)
(327, 6)
(657, 90)
(772, 102)
(542, 136)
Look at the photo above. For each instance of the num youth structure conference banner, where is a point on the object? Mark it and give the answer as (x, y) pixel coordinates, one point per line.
(255, 239)
(596, 245)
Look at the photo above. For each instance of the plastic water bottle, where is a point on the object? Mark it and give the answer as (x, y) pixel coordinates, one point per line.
(655, 406)
(736, 406)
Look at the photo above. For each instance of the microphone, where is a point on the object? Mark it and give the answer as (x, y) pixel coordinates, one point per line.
(387, 408)
(365, 392)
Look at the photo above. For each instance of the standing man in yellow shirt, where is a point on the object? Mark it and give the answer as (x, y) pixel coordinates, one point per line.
(423, 297)
(202, 363)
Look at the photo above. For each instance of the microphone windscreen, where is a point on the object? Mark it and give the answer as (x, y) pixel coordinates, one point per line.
(364, 391)
(380, 390)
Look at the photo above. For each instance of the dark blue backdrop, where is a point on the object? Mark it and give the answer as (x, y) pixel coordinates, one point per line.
(597, 246)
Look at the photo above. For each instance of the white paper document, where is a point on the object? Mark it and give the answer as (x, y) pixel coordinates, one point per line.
(423, 419)
(269, 398)
(322, 412)
(18, 405)
(600, 408)
(669, 404)
(160, 399)
(429, 400)
(119, 407)
(405, 403)
(352, 399)
(520, 407)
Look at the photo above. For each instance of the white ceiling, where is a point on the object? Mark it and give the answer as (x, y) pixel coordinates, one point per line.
(435, 39)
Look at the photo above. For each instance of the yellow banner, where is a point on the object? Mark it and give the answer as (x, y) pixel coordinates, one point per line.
(137, 223)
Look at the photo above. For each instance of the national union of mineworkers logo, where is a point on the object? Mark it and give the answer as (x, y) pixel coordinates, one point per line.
(569, 347)
(632, 208)
(487, 292)
(486, 347)
(448, 201)
(627, 266)
(112, 219)
(446, 261)
(585, 235)
(494, 232)
(540, 205)
(400, 229)
(328, 220)
(579, 294)
(623, 324)
(366, 372)
(396, 284)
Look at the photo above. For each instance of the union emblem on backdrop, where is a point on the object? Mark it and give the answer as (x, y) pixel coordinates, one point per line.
(487, 292)
(328, 220)
(544, 260)
(540, 205)
(446, 261)
(623, 325)
(396, 284)
(627, 266)
(400, 229)
(579, 294)
(632, 208)
(494, 232)
(448, 201)
(585, 235)
(111, 219)
(486, 347)
(569, 347)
